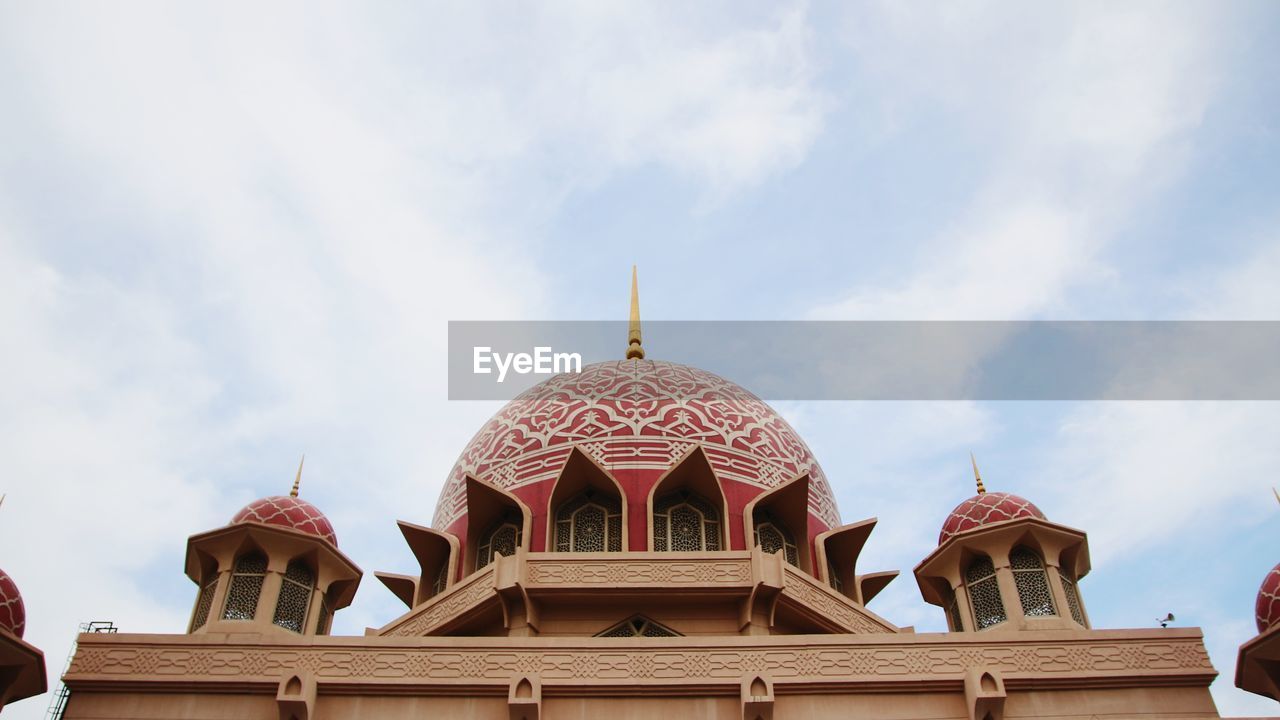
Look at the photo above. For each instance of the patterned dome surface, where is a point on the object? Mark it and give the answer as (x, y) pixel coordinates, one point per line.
(636, 418)
(290, 512)
(13, 614)
(1267, 609)
(984, 509)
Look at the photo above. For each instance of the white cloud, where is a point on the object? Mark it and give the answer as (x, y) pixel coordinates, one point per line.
(235, 232)
(1085, 111)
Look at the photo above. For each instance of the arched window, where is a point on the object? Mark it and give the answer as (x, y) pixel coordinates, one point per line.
(684, 522)
(295, 596)
(639, 626)
(246, 586)
(773, 536)
(502, 539)
(1073, 596)
(1032, 583)
(204, 603)
(984, 593)
(591, 522)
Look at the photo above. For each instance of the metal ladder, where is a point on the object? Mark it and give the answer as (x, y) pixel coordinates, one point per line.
(58, 701)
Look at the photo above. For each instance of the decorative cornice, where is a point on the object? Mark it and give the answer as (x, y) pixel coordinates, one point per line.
(440, 665)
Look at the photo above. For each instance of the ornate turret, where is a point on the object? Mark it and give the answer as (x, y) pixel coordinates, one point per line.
(1258, 665)
(275, 567)
(1001, 564)
(21, 665)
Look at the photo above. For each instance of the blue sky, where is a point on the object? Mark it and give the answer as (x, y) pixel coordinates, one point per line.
(231, 234)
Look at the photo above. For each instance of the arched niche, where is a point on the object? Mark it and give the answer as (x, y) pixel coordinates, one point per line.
(581, 475)
(692, 474)
(787, 504)
(487, 508)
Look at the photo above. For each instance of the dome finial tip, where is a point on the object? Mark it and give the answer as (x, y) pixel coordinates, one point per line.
(635, 351)
(297, 479)
(977, 476)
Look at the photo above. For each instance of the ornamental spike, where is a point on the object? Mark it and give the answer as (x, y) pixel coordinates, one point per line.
(297, 479)
(635, 351)
(977, 476)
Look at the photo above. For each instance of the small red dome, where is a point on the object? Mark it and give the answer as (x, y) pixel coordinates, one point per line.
(13, 614)
(985, 509)
(1268, 608)
(290, 512)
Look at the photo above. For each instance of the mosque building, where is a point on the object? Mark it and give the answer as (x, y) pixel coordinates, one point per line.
(639, 540)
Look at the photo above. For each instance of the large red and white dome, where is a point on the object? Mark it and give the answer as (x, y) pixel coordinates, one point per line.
(984, 509)
(636, 418)
(13, 614)
(290, 512)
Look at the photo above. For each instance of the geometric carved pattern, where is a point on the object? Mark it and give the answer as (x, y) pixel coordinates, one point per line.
(638, 626)
(246, 586)
(1085, 661)
(808, 593)
(290, 512)
(635, 413)
(985, 508)
(295, 596)
(1267, 608)
(13, 615)
(684, 522)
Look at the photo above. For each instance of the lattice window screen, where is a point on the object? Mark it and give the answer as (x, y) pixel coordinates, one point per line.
(639, 626)
(833, 578)
(295, 597)
(204, 603)
(1073, 598)
(589, 523)
(246, 586)
(684, 522)
(984, 593)
(1032, 582)
(773, 536)
(503, 539)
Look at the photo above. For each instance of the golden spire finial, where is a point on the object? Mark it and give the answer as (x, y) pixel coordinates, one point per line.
(634, 350)
(1273, 492)
(977, 476)
(297, 479)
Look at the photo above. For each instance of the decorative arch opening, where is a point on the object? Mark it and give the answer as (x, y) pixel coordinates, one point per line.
(773, 536)
(586, 509)
(687, 509)
(247, 575)
(502, 538)
(778, 521)
(590, 522)
(685, 522)
(497, 523)
(296, 589)
(1032, 581)
(1072, 591)
(984, 593)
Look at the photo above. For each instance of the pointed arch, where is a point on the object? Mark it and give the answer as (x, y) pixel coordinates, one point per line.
(692, 475)
(490, 511)
(583, 478)
(785, 507)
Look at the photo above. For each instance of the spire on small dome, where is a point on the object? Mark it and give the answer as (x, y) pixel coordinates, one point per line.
(977, 476)
(297, 479)
(634, 349)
